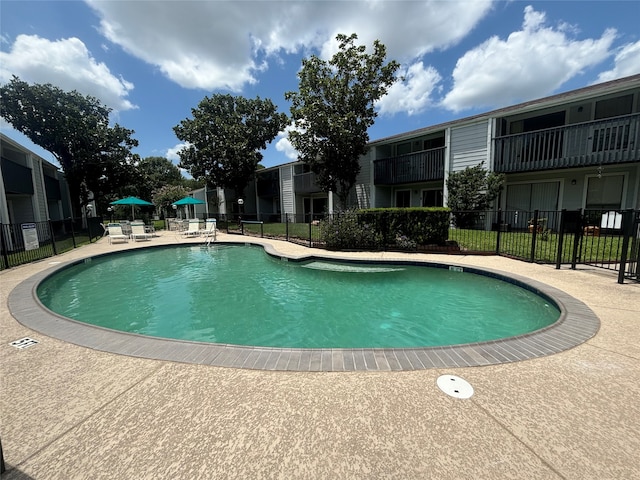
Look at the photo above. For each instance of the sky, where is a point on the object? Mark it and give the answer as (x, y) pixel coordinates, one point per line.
(152, 62)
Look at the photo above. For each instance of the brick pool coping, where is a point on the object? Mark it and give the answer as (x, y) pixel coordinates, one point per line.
(577, 323)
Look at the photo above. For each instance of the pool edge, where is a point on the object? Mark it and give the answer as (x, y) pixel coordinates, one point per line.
(577, 324)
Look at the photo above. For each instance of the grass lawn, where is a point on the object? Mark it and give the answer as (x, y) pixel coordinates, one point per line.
(518, 244)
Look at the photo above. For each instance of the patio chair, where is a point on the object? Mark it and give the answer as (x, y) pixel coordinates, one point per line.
(193, 230)
(115, 233)
(211, 229)
(138, 232)
(126, 227)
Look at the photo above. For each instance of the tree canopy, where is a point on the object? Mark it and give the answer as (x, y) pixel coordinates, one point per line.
(224, 139)
(333, 109)
(165, 195)
(156, 172)
(94, 157)
(472, 189)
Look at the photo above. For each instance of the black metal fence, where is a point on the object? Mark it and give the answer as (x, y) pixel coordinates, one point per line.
(608, 239)
(300, 229)
(29, 242)
(604, 239)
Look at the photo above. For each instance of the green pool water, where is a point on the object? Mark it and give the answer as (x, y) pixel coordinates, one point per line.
(240, 295)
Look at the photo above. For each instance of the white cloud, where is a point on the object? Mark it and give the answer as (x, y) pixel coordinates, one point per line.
(284, 145)
(66, 64)
(626, 63)
(172, 155)
(413, 94)
(224, 44)
(530, 63)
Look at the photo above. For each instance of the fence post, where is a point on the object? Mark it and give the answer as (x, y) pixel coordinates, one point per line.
(534, 236)
(499, 223)
(627, 232)
(286, 226)
(3, 243)
(577, 239)
(310, 217)
(53, 238)
(73, 233)
(560, 239)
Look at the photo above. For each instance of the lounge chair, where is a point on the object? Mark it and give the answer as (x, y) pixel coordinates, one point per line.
(211, 229)
(193, 230)
(138, 232)
(115, 233)
(126, 227)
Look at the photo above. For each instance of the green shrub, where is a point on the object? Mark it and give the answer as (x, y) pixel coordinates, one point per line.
(346, 230)
(422, 225)
(403, 228)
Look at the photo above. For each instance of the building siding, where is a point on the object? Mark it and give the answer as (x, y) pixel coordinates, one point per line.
(364, 181)
(286, 189)
(40, 194)
(469, 146)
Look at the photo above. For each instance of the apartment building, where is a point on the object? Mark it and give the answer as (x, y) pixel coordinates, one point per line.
(579, 149)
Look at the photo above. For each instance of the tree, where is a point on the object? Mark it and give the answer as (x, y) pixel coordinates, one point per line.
(333, 109)
(156, 172)
(472, 190)
(224, 138)
(163, 197)
(94, 157)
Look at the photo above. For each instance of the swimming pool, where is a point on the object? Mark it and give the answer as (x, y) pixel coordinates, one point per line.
(577, 324)
(240, 295)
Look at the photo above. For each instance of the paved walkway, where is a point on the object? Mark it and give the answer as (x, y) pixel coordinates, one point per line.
(70, 412)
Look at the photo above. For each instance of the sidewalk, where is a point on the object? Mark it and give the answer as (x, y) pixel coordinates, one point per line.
(70, 412)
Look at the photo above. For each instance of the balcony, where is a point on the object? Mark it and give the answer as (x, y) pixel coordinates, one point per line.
(268, 185)
(411, 168)
(305, 183)
(603, 142)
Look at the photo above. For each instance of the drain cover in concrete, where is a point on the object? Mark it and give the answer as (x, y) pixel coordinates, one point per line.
(25, 342)
(455, 386)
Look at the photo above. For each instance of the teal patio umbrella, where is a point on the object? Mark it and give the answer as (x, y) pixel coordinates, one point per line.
(189, 201)
(133, 201)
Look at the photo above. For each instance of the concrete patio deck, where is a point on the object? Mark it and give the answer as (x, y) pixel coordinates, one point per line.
(70, 412)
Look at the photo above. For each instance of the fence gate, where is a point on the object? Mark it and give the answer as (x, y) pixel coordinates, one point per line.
(603, 239)
(630, 268)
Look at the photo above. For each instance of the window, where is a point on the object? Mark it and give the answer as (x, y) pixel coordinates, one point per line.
(524, 198)
(432, 198)
(403, 148)
(533, 196)
(604, 193)
(614, 107)
(403, 198)
(434, 143)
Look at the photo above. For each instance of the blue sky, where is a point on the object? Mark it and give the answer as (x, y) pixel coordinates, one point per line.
(153, 61)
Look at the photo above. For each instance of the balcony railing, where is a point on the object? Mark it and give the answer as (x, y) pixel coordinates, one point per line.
(411, 168)
(610, 141)
(305, 183)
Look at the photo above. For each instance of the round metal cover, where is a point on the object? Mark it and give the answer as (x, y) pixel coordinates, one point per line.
(455, 386)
